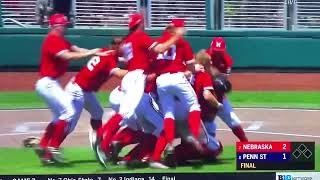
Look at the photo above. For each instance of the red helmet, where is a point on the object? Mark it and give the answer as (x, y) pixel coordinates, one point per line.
(58, 19)
(218, 44)
(135, 19)
(177, 22)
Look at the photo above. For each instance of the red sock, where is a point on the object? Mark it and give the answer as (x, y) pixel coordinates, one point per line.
(59, 134)
(239, 132)
(127, 136)
(47, 135)
(194, 123)
(169, 130)
(109, 129)
(160, 146)
(95, 124)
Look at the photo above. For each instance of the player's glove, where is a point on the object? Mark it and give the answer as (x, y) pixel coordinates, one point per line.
(222, 85)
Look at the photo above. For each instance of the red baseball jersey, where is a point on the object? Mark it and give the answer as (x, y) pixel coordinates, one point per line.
(223, 62)
(174, 59)
(51, 65)
(97, 71)
(136, 50)
(202, 81)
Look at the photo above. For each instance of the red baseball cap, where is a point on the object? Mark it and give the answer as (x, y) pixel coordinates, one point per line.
(177, 23)
(135, 19)
(58, 19)
(218, 44)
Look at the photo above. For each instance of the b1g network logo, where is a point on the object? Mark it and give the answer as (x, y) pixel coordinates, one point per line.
(294, 177)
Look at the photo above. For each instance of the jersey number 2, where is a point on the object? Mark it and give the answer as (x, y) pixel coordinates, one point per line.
(93, 62)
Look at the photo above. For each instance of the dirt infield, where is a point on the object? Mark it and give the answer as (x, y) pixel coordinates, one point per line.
(260, 124)
(24, 81)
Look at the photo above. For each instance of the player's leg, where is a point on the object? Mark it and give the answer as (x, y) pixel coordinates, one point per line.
(187, 96)
(92, 105)
(232, 120)
(115, 99)
(132, 86)
(61, 104)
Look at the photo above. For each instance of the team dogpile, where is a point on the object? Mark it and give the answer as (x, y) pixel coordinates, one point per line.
(167, 93)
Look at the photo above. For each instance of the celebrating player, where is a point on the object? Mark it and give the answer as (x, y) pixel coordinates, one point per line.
(221, 64)
(172, 83)
(136, 48)
(55, 56)
(82, 88)
(210, 97)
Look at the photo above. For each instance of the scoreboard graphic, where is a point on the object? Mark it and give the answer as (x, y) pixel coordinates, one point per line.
(275, 155)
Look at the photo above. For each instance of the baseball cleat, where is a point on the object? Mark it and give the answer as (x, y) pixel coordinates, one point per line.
(115, 150)
(157, 165)
(123, 163)
(56, 155)
(170, 156)
(44, 155)
(101, 156)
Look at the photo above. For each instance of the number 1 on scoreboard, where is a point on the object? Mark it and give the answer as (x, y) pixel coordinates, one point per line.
(284, 156)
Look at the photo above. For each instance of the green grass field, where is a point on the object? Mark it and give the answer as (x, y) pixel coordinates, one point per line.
(283, 99)
(82, 160)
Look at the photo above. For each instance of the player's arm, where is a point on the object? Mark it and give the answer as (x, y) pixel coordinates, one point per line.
(119, 73)
(211, 99)
(162, 47)
(70, 56)
(75, 48)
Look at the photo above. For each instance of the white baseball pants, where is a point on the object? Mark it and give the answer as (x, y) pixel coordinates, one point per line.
(175, 85)
(56, 98)
(227, 115)
(132, 86)
(82, 99)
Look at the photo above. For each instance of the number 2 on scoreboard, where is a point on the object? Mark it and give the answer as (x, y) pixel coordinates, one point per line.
(284, 146)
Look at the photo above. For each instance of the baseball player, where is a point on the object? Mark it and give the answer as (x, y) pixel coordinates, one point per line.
(142, 128)
(136, 49)
(210, 97)
(172, 83)
(83, 86)
(203, 87)
(56, 53)
(221, 64)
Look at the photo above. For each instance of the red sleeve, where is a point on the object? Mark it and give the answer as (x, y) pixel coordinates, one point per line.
(146, 41)
(188, 53)
(59, 45)
(229, 63)
(206, 81)
(112, 66)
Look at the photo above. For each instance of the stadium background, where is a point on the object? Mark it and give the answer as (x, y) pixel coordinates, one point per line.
(274, 44)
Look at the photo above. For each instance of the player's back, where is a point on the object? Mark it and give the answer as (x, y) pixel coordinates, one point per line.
(175, 58)
(136, 48)
(50, 64)
(202, 81)
(96, 72)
